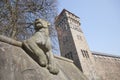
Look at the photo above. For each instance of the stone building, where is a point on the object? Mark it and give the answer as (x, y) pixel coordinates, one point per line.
(74, 46)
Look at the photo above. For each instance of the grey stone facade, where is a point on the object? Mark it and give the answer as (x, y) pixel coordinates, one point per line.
(74, 46)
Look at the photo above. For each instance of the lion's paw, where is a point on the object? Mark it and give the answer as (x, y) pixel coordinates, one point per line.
(53, 69)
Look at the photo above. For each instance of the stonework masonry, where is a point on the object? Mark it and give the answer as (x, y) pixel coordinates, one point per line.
(16, 64)
(73, 45)
(108, 66)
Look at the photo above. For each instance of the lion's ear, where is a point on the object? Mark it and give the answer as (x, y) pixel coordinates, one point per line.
(48, 24)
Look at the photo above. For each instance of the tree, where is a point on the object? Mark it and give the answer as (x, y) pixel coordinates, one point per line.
(17, 16)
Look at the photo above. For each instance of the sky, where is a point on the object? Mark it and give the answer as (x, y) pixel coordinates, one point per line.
(100, 22)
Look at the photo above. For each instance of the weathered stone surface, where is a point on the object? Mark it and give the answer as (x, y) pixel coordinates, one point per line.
(15, 64)
(108, 66)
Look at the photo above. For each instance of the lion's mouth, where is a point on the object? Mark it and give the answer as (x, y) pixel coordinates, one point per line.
(39, 24)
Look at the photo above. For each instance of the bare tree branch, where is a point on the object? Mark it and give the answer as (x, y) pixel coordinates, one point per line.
(17, 16)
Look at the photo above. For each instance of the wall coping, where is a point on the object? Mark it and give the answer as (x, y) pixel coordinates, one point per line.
(63, 58)
(105, 54)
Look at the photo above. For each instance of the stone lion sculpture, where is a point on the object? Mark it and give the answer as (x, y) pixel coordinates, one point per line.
(38, 46)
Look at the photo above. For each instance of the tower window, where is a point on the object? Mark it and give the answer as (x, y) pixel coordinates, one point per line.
(66, 27)
(69, 55)
(85, 53)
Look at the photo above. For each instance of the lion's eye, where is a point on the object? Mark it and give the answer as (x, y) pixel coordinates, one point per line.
(38, 23)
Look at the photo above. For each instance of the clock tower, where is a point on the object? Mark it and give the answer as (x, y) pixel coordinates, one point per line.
(73, 44)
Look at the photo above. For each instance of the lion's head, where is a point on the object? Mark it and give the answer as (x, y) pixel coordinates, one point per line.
(40, 23)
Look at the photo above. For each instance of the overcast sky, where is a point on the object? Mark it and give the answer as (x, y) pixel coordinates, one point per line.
(100, 22)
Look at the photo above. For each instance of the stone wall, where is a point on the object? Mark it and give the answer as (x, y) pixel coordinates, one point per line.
(108, 66)
(15, 64)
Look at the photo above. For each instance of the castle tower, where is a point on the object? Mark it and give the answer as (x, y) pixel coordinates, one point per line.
(73, 44)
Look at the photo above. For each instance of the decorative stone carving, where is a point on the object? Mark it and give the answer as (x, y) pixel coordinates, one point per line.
(38, 46)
